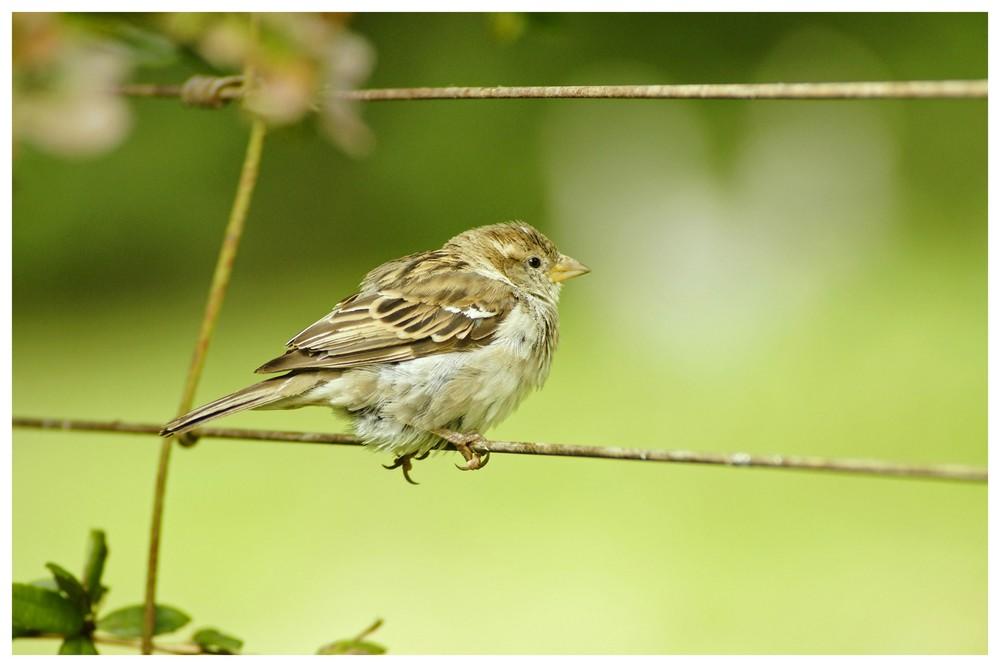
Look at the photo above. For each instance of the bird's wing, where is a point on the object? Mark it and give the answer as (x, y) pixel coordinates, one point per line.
(445, 312)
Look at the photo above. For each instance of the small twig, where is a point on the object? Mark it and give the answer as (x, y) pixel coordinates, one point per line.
(945, 471)
(174, 649)
(367, 631)
(216, 295)
(829, 90)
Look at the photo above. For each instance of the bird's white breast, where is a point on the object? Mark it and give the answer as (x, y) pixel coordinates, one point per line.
(465, 390)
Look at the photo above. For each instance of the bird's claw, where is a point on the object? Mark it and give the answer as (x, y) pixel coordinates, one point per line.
(472, 460)
(406, 476)
(404, 463)
(475, 462)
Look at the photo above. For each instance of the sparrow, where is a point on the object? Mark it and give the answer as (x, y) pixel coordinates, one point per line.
(434, 347)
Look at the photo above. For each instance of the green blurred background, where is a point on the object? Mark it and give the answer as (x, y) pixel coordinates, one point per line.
(771, 277)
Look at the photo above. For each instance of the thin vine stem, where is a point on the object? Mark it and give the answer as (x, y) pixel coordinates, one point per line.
(216, 296)
(875, 468)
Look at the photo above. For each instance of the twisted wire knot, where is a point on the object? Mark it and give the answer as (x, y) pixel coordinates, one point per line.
(210, 92)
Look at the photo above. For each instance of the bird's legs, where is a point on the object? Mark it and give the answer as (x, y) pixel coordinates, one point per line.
(405, 462)
(462, 442)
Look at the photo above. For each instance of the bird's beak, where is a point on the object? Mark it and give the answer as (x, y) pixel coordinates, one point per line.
(566, 268)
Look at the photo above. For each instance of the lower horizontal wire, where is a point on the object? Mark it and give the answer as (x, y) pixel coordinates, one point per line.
(947, 471)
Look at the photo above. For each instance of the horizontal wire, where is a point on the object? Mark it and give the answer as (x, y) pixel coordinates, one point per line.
(946, 471)
(709, 91)
(829, 90)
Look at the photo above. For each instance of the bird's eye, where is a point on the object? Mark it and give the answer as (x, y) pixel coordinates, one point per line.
(534, 262)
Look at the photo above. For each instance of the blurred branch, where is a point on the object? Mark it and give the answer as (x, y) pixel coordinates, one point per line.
(216, 295)
(834, 90)
(945, 471)
(223, 94)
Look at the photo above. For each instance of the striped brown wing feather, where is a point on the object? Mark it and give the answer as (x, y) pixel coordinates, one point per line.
(443, 313)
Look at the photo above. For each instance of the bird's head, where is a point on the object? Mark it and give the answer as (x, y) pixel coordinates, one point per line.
(519, 253)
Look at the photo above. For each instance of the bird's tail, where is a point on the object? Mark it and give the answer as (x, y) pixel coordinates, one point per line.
(262, 394)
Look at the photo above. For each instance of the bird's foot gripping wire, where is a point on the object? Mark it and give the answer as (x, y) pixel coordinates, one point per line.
(462, 441)
(405, 462)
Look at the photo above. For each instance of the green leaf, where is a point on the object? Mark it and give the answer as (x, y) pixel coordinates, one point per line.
(127, 621)
(212, 641)
(73, 589)
(18, 631)
(47, 584)
(78, 646)
(35, 608)
(356, 645)
(351, 647)
(97, 553)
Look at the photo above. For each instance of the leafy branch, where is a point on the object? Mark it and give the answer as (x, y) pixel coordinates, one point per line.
(68, 608)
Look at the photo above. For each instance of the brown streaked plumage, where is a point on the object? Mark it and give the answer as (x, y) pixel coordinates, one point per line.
(434, 347)
(398, 322)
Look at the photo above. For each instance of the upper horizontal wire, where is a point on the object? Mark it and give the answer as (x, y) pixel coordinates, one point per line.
(830, 90)
(943, 89)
